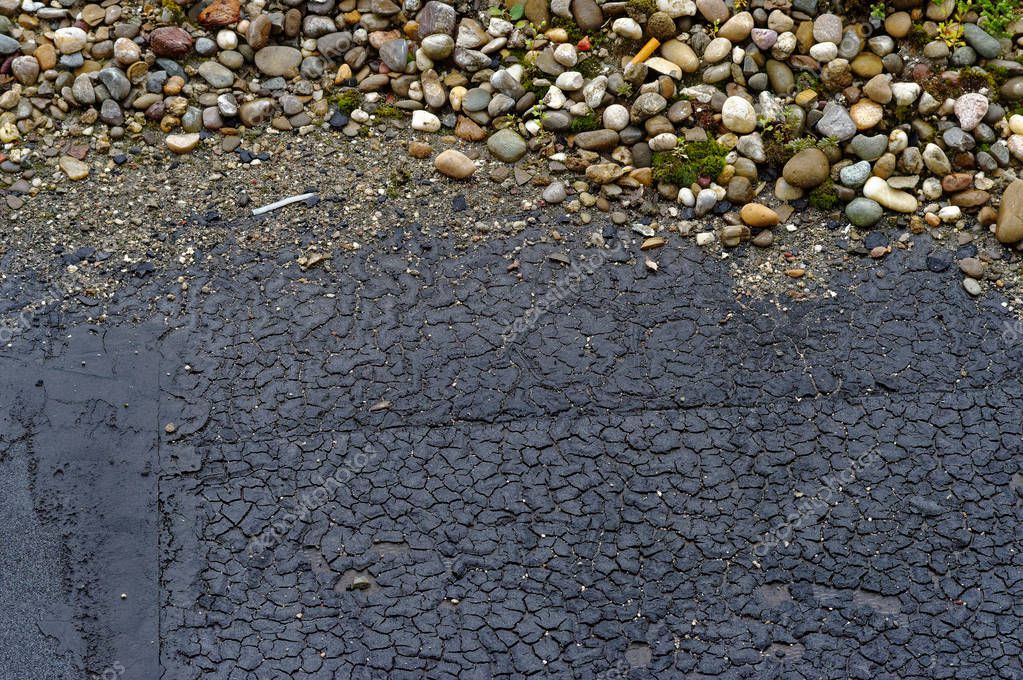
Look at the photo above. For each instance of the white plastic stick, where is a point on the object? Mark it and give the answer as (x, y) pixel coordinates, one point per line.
(281, 203)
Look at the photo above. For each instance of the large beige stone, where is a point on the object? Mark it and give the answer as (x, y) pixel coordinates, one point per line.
(681, 54)
(807, 169)
(878, 190)
(73, 168)
(1009, 227)
(454, 164)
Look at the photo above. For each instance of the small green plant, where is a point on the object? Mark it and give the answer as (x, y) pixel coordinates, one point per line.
(689, 161)
(950, 32)
(997, 15)
(585, 123)
(794, 146)
(782, 130)
(625, 90)
(348, 100)
(800, 144)
(775, 153)
(388, 111)
(879, 10)
(824, 196)
(828, 142)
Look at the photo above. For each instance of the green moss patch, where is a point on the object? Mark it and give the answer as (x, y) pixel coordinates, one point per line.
(689, 161)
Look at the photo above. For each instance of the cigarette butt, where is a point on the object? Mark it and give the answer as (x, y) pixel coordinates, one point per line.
(647, 50)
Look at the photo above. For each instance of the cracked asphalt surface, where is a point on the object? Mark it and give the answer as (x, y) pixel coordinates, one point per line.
(366, 478)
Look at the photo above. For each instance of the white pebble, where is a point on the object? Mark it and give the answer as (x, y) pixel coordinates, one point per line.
(663, 142)
(627, 28)
(499, 27)
(555, 98)
(932, 188)
(950, 213)
(616, 117)
(570, 81)
(1016, 124)
(424, 121)
(565, 55)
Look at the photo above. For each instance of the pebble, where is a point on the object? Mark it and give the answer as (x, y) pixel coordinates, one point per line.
(1009, 225)
(866, 114)
(170, 41)
(454, 164)
(627, 28)
(70, 39)
(555, 193)
(758, 215)
(424, 121)
(972, 286)
(182, 143)
(864, 212)
(217, 75)
(879, 191)
(836, 122)
(506, 145)
(972, 267)
(985, 45)
(8, 45)
(807, 169)
(74, 168)
(855, 175)
(970, 109)
(278, 60)
(738, 115)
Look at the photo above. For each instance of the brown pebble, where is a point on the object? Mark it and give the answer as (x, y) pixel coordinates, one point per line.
(764, 239)
(420, 150)
(758, 215)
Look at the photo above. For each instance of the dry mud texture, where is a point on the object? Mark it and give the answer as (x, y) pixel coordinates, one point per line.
(375, 473)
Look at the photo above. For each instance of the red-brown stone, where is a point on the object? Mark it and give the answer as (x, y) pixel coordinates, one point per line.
(220, 13)
(170, 41)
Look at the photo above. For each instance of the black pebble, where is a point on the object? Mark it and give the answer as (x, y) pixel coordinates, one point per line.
(939, 261)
